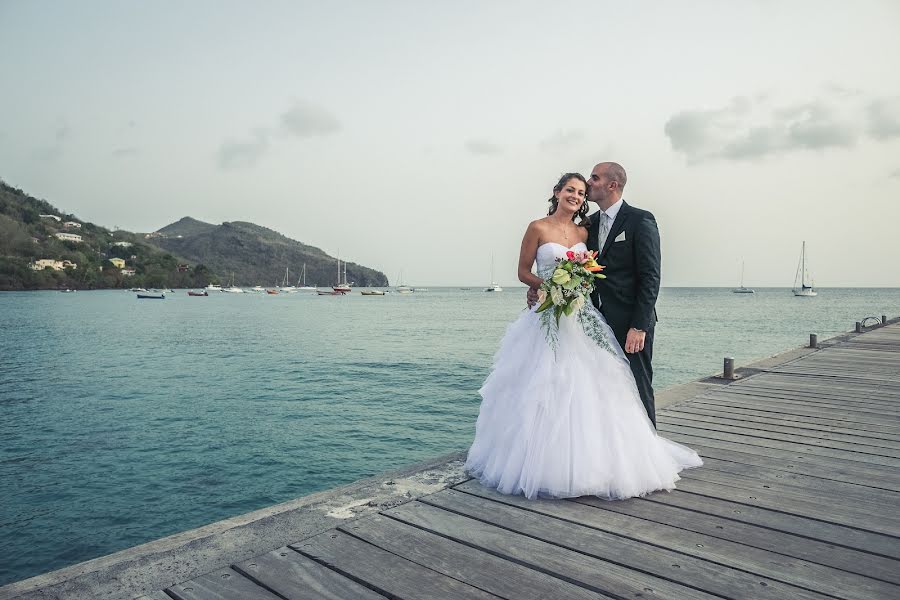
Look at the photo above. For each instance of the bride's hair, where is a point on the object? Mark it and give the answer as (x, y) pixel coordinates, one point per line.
(581, 214)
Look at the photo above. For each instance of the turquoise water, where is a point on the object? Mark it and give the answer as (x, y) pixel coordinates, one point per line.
(124, 421)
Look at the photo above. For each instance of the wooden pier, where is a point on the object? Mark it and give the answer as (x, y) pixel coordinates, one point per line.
(798, 498)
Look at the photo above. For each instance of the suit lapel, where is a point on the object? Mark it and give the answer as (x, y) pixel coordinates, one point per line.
(617, 227)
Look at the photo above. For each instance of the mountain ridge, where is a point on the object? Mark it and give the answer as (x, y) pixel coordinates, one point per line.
(185, 253)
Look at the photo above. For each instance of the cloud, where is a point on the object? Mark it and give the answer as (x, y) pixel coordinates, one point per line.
(884, 118)
(307, 120)
(748, 129)
(895, 174)
(124, 152)
(243, 154)
(561, 140)
(483, 147)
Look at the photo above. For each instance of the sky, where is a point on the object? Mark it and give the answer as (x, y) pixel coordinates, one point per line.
(423, 137)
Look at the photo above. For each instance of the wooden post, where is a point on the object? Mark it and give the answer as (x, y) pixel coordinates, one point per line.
(883, 319)
(728, 371)
(813, 340)
(858, 327)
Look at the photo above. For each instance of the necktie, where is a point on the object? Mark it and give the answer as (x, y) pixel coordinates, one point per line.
(604, 230)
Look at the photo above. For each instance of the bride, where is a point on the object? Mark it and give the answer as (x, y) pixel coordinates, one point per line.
(560, 413)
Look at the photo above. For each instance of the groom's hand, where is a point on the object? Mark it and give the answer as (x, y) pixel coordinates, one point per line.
(634, 341)
(532, 296)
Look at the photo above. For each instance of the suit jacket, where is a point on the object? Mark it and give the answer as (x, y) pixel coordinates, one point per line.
(627, 297)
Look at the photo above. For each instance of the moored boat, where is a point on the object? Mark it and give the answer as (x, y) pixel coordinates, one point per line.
(151, 296)
(201, 293)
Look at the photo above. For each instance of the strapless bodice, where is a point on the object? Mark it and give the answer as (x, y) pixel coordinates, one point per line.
(549, 252)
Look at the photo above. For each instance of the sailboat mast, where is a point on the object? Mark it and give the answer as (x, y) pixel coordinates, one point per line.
(803, 263)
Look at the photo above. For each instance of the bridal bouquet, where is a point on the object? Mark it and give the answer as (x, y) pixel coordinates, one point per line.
(570, 284)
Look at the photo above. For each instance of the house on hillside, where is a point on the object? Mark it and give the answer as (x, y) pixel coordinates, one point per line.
(117, 263)
(72, 225)
(123, 244)
(56, 265)
(69, 237)
(57, 219)
(184, 268)
(154, 234)
(128, 272)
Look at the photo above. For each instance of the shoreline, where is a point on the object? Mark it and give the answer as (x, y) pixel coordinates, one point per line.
(172, 559)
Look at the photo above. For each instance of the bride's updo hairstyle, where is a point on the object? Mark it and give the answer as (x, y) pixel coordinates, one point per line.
(581, 214)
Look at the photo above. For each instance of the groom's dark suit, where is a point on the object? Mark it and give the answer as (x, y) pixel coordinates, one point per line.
(627, 297)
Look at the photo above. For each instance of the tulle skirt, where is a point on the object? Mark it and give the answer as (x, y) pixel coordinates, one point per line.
(568, 421)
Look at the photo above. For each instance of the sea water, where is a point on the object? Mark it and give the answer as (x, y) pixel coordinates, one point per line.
(125, 420)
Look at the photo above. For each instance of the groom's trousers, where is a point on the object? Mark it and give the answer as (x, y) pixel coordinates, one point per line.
(641, 367)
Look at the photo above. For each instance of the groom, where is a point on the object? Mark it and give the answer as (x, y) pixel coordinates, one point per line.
(627, 240)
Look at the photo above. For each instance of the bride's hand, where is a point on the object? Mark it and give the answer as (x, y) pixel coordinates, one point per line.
(532, 296)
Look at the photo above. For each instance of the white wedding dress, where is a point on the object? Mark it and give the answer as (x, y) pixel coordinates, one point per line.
(561, 415)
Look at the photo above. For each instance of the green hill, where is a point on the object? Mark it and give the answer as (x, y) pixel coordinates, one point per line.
(187, 253)
(256, 255)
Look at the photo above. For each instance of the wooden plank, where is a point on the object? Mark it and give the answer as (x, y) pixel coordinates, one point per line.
(297, 577)
(223, 584)
(870, 459)
(599, 560)
(795, 506)
(772, 433)
(877, 476)
(823, 553)
(803, 526)
(721, 401)
(814, 400)
(738, 559)
(885, 412)
(767, 476)
(857, 511)
(155, 595)
(386, 573)
(806, 424)
(500, 577)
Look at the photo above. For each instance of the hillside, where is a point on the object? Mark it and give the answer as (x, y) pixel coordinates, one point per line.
(256, 255)
(43, 248)
(76, 254)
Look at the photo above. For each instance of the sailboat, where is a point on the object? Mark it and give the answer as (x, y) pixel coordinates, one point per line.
(304, 287)
(233, 289)
(342, 286)
(801, 277)
(284, 287)
(742, 289)
(494, 287)
(402, 288)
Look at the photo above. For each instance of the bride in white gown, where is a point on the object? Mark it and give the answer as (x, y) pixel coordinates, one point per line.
(560, 414)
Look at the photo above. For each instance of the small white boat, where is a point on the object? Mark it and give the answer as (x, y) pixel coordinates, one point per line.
(232, 289)
(301, 283)
(213, 287)
(258, 289)
(372, 293)
(494, 287)
(742, 289)
(68, 291)
(137, 290)
(420, 289)
(402, 288)
(803, 290)
(341, 286)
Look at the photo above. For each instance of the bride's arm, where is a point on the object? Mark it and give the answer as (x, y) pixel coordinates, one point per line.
(527, 255)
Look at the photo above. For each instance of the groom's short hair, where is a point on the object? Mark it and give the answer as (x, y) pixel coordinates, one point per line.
(616, 172)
